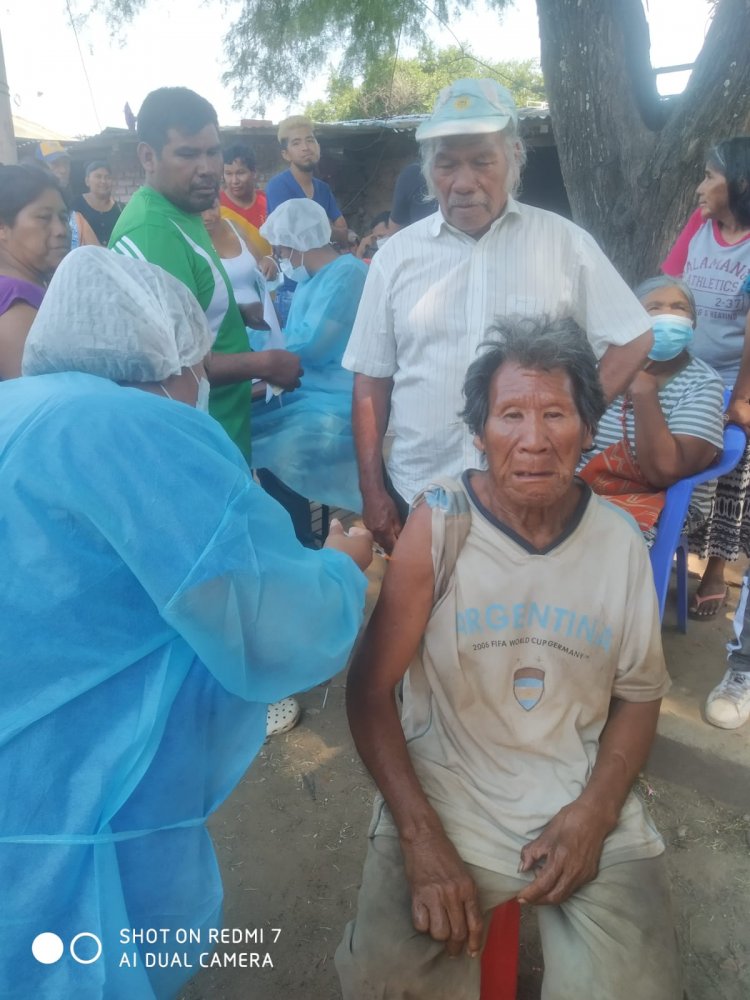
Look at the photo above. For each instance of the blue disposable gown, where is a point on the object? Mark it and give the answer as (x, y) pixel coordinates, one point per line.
(154, 599)
(305, 437)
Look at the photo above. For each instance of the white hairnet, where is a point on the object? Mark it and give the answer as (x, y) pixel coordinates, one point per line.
(299, 223)
(120, 318)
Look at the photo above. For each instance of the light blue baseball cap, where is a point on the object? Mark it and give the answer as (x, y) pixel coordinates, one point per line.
(469, 107)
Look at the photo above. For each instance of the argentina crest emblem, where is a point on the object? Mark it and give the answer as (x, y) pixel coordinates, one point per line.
(528, 687)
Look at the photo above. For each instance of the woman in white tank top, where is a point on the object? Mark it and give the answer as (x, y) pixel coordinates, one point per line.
(245, 275)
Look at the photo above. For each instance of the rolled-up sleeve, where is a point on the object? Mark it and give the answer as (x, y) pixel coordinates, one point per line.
(603, 305)
(372, 345)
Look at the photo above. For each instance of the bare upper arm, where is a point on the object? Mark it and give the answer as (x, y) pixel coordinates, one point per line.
(371, 403)
(696, 454)
(398, 622)
(620, 362)
(14, 329)
(257, 255)
(366, 386)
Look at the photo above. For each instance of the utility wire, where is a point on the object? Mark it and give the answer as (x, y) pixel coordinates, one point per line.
(460, 44)
(83, 65)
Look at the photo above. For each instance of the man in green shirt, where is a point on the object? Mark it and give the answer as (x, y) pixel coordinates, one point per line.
(180, 152)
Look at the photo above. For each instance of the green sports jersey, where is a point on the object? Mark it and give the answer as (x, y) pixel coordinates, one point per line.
(151, 228)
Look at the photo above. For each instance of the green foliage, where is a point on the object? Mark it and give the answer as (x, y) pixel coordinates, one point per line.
(276, 45)
(410, 86)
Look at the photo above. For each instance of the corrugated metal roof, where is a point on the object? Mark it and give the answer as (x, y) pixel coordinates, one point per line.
(25, 129)
(398, 123)
(403, 123)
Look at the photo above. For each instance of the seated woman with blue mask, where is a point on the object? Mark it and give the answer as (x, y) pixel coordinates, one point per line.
(669, 423)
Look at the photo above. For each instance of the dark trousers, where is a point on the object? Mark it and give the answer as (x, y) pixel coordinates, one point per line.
(401, 505)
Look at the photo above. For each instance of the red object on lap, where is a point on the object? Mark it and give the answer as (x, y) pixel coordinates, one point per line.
(500, 954)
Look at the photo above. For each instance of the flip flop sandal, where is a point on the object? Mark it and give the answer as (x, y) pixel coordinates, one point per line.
(694, 611)
(282, 716)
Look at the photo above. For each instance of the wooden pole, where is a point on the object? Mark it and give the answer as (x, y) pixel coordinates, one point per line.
(8, 151)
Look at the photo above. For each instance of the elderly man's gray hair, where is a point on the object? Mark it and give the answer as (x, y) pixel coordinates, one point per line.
(513, 147)
(665, 281)
(541, 344)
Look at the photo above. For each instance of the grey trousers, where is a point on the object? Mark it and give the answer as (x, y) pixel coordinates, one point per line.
(614, 939)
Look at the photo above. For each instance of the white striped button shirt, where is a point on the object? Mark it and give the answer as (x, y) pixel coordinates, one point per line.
(430, 296)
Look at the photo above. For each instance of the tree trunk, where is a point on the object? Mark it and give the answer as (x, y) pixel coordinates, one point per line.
(631, 162)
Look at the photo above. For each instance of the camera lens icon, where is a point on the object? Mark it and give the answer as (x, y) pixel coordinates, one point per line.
(48, 948)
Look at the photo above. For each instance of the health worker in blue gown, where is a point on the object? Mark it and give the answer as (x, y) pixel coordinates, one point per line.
(154, 601)
(305, 437)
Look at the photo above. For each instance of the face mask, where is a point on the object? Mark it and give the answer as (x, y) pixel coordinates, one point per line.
(672, 334)
(298, 274)
(381, 241)
(204, 388)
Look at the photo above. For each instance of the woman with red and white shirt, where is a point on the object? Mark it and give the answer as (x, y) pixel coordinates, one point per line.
(712, 255)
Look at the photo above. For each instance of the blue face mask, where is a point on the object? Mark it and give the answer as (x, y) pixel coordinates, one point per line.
(672, 334)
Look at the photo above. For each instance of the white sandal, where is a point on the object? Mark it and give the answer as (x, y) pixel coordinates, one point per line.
(282, 716)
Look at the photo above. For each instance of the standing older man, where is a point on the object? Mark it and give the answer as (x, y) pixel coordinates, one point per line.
(434, 289)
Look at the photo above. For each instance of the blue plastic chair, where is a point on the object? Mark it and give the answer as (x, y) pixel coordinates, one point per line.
(670, 539)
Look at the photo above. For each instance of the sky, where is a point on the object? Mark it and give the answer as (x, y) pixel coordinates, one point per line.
(48, 84)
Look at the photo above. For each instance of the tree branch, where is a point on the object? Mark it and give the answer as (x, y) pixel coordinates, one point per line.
(631, 20)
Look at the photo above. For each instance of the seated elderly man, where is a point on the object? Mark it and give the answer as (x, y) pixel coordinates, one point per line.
(521, 606)
(158, 602)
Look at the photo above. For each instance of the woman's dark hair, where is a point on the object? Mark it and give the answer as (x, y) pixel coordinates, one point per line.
(19, 186)
(242, 153)
(541, 344)
(173, 107)
(96, 165)
(731, 157)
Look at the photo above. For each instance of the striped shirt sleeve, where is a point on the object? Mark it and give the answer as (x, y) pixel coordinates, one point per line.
(698, 409)
(372, 346)
(605, 307)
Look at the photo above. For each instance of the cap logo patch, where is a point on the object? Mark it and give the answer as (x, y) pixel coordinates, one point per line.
(461, 103)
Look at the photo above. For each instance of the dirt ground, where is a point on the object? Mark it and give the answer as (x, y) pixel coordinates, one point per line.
(292, 838)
